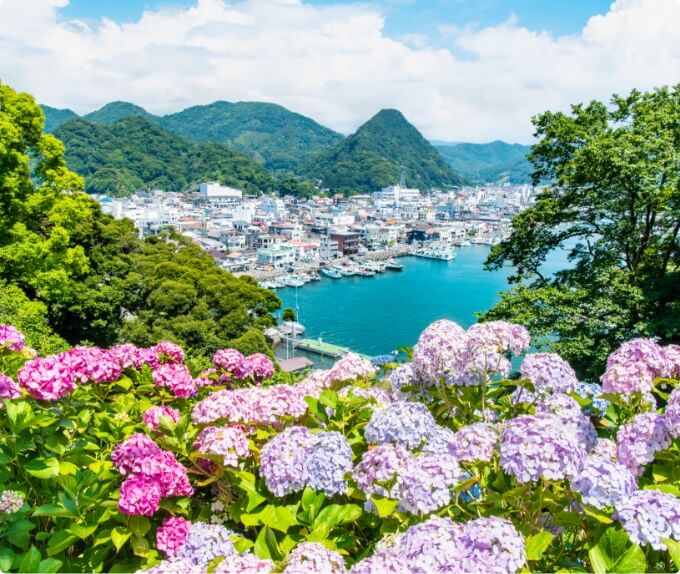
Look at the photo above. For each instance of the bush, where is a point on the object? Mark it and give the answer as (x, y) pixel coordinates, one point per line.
(127, 458)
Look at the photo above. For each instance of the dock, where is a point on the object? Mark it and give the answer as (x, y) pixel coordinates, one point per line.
(321, 347)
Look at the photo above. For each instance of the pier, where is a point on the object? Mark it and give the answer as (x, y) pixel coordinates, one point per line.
(320, 347)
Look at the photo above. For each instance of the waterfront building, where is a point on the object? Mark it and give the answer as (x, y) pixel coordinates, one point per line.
(348, 242)
(276, 256)
(212, 189)
(328, 248)
(396, 195)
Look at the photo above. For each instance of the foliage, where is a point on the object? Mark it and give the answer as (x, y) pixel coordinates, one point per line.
(370, 159)
(289, 314)
(59, 462)
(73, 272)
(115, 111)
(54, 117)
(614, 199)
(494, 162)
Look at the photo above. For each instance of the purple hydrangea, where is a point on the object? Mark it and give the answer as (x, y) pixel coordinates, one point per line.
(604, 447)
(475, 442)
(386, 561)
(648, 516)
(500, 336)
(425, 484)
(384, 463)
(232, 361)
(602, 482)
(283, 461)
(244, 564)
(490, 545)
(313, 558)
(569, 412)
(206, 542)
(549, 373)
(540, 446)
(592, 391)
(11, 501)
(672, 415)
(328, 461)
(401, 376)
(174, 566)
(639, 440)
(406, 423)
(259, 366)
(672, 354)
(441, 441)
(441, 350)
(633, 367)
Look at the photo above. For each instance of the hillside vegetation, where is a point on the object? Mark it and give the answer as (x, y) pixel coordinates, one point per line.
(495, 162)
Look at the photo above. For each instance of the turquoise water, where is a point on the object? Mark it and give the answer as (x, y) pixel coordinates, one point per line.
(374, 315)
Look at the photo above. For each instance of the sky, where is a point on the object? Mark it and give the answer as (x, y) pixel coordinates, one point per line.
(460, 70)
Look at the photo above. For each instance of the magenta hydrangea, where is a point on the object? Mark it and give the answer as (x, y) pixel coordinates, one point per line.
(152, 416)
(134, 448)
(313, 558)
(649, 516)
(231, 361)
(126, 354)
(602, 482)
(230, 443)
(92, 364)
(633, 367)
(640, 439)
(9, 389)
(549, 373)
(171, 535)
(167, 472)
(139, 495)
(258, 366)
(477, 441)
(11, 339)
(169, 350)
(47, 378)
(441, 350)
(175, 377)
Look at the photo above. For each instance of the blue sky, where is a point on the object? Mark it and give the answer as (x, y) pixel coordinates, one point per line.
(424, 17)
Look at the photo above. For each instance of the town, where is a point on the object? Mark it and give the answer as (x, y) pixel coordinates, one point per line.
(287, 241)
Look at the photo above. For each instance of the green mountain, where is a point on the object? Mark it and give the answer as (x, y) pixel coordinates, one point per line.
(370, 159)
(54, 117)
(273, 135)
(115, 111)
(135, 153)
(495, 162)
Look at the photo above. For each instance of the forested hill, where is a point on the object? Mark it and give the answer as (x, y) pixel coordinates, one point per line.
(134, 153)
(54, 117)
(495, 162)
(115, 111)
(370, 158)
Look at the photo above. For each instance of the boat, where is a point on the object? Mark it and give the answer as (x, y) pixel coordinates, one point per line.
(443, 252)
(393, 265)
(295, 280)
(268, 284)
(331, 272)
(347, 271)
(364, 272)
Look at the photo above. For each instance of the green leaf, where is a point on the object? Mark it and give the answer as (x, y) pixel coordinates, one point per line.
(20, 415)
(43, 468)
(673, 550)
(82, 531)
(67, 468)
(51, 510)
(632, 561)
(49, 565)
(537, 544)
(139, 525)
(597, 515)
(60, 540)
(6, 559)
(119, 536)
(614, 552)
(18, 527)
(30, 561)
(277, 517)
(140, 546)
(385, 506)
(337, 514)
(312, 501)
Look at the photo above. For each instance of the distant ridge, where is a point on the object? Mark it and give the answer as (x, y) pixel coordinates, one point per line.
(115, 111)
(54, 117)
(494, 162)
(371, 158)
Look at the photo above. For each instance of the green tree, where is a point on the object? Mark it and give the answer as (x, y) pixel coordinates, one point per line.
(289, 314)
(614, 203)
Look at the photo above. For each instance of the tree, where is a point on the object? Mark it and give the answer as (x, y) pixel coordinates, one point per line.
(614, 204)
(289, 314)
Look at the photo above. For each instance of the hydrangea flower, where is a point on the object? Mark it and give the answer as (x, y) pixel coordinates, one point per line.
(152, 416)
(441, 350)
(350, 367)
(206, 542)
(171, 535)
(244, 564)
(499, 335)
(475, 442)
(313, 558)
(10, 338)
(648, 516)
(426, 482)
(638, 441)
(258, 366)
(11, 501)
(175, 377)
(232, 361)
(549, 373)
(536, 446)
(328, 460)
(8, 388)
(282, 461)
(126, 354)
(385, 561)
(167, 472)
(569, 412)
(92, 364)
(382, 360)
(672, 354)
(672, 414)
(441, 441)
(405, 423)
(135, 447)
(139, 495)
(47, 378)
(170, 350)
(173, 566)
(605, 448)
(401, 376)
(602, 482)
(592, 391)
(633, 367)
(381, 464)
(375, 394)
(231, 443)
(482, 366)
(490, 545)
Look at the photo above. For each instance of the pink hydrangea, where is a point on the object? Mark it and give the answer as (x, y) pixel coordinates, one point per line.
(230, 360)
(175, 377)
(135, 447)
(634, 366)
(549, 373)
(139, 495)
(230, 443)
(8, 388)
(258, 366)
(350, 366)
(152, 416)
(169, 350)
(672, 354)
(638, 441)
(499, 335)
(164, 469)
(441, 350)
(10, 338)
(171, 535)
(126, 354)
(47, 378)
(93, 364)
(206, 378)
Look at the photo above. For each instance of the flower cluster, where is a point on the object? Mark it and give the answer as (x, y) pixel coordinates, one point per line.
(233, 365)
(169, 350)
(406, 423)
(648, 516)
(206, 542)
(634, 366)
(638, 441)
(311, 558)
(258, 366)
(8, 388)
(152, 416)
(475, 442)
(244, 564)
(47, 378)
(10, 338)
(672, 414)
(598, 406)
(602, 482)
(11, 501)
(229, 443)
(172, 534)
(549, 373)
(175, 377)
(92, 364)
(153, 474)
(231, 361)
(500, 336)
(569, 412)
(350, 367)
(441, 350)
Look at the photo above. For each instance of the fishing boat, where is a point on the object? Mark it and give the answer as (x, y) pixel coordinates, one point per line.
(442, 252)
(295, 280)
(331, 272)
(394, 265)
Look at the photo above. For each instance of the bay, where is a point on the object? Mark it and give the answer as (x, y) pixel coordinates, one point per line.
(375, 315)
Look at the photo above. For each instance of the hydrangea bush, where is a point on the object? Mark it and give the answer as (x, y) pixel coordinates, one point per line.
(129, 459)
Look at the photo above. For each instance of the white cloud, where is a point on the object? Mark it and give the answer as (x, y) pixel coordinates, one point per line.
(335, 64)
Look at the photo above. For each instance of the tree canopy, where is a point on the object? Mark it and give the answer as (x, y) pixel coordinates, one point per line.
(75, 274)
(615, 206)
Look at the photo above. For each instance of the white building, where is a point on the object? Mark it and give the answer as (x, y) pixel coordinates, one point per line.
(396, 194)
(328, 248)
(213, 189)
(276, 256)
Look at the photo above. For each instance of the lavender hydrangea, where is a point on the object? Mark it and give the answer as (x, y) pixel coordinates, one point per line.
(381, 464)
(425, 484)
(328, 461)
(475, 442)
(604, 447)
(231, 443)
(174, 566)
(500, 336)
(549, 373)
(648, 516)
(244, 564)
(11, 501)
(672, 354)
(672, 415)
(282, 461)
(406, 423)
(206, 542)
(384, 561)
(638, 441)
(441, 350)
(569, 412)
(602, 482)
(490, 545)
(633, 367)
(350, 366)
(536, 446)
(441, 441)
(598, 406)
(312, 558)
